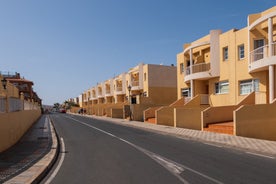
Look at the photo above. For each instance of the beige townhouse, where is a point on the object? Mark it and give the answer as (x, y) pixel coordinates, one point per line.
(226, 81)
(129, 94)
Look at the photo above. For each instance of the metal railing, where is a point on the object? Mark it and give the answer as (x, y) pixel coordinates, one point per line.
(262, 52)
(12, 104)
(135, 83)
(15, 104)
(202, 67)
(119, 88)
(30, 106)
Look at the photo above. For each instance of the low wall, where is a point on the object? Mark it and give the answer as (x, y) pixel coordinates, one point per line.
(224, 113)
(14, 125)
(217, 114)
(188, 117)
(109, 107)
(150, 112)
(75, 109)
(256, 121)
(165, 116)
(117, 113)
(137, 111)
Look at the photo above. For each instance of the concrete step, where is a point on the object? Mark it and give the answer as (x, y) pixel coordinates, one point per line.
(225, 127)
(151, 120)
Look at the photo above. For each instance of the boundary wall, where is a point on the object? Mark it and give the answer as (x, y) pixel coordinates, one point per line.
(14, 125)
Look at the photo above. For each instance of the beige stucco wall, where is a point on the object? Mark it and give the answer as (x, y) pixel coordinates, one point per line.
(162, 95)
(188, 117)
(14, 125)
(180, 75)
(165, 116)
(110, 107)
(117, 113)
(10, 90)
(256, 121)
(138, 111)
(150, 112)
(160, 83)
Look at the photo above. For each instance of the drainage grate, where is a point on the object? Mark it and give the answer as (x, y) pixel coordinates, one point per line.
(42, 138)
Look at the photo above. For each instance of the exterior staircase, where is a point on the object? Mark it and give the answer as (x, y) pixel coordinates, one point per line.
(151, 120)
(225, 128)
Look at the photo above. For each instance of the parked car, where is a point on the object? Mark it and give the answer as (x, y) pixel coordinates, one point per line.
(62, 110)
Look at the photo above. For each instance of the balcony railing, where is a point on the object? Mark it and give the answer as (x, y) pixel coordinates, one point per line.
(262, 52)
(107, 91)
(15, 104)
(135, 83)
(119, 88)
(202, 67)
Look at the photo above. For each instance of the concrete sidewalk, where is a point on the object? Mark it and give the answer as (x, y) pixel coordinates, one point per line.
(30, 158)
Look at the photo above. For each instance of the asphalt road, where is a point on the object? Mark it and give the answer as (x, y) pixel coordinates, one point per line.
(97, 151)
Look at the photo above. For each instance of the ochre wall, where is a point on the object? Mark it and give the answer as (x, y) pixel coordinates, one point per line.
(14, 125)
(162, 95)
(165, 116)
(160, 83)
(188, 117)
(180, 75)
(256, 121)
(138, 111)
(117, 113)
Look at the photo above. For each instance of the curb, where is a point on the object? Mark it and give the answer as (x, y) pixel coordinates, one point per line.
(36, 172)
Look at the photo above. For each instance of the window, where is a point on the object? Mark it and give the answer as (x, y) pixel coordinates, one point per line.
(248, 86)
(225, 53)
(258, 43)
(181, 68)
(241, 51)
(222, 87)
(145, 76)
(186, 92)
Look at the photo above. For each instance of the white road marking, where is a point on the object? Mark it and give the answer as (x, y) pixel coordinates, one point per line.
(62, 152)
(175, 168)
(260, 155)
(210, 144)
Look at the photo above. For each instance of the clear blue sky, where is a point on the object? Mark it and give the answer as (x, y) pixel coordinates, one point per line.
(67, 46)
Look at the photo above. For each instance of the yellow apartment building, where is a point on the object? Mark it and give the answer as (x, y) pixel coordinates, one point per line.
(129, 94)
(226, 81)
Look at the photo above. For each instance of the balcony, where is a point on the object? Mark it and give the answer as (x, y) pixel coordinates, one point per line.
(135, 83)
(262, 57)
(100, 94)
(108, 93)
(119, 90)
(198, 71)
(94, 97)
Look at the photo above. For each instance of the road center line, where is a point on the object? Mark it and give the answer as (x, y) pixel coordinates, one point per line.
(174, 168)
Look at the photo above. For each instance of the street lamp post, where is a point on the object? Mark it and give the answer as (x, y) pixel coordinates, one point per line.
(129, 89)
(4, 84)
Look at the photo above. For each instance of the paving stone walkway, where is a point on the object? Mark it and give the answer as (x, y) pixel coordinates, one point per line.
(23, 157)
